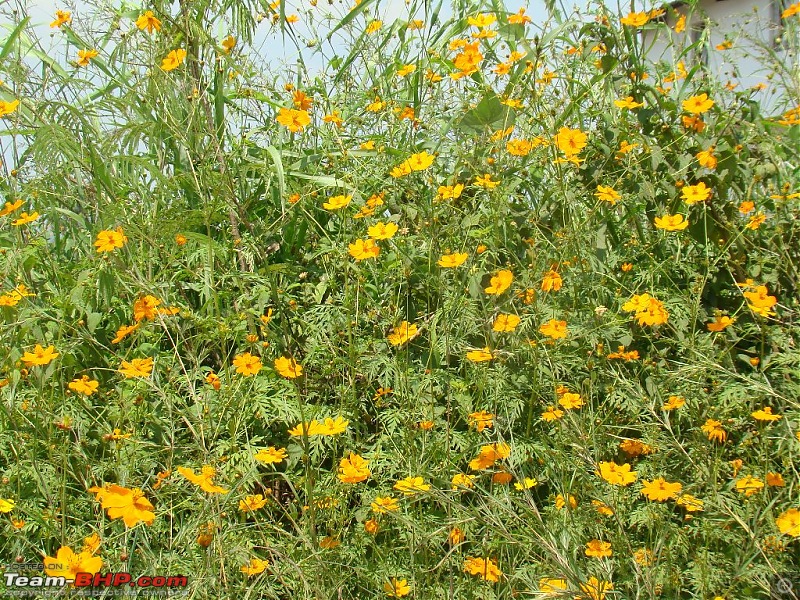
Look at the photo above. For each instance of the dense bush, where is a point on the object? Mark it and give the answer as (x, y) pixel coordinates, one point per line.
(475, 308)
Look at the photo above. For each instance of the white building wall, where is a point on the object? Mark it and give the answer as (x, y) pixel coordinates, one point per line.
(754, 29)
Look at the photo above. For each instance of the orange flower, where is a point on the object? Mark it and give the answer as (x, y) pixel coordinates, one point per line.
(204, 480)
(551, 281)
(698, 104)
(353, 469)
(246, 364)
(293, 120)
(554, 329)
(485, 568)
(173, 60)
(500, 282)
(128, 504)
(288, 367)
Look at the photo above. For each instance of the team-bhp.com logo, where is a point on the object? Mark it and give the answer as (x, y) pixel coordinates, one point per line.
(16, 580)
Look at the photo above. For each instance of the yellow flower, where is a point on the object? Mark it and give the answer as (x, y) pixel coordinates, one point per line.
(138, 367)
(293, 120)
(520, 18)
(420, 161)
(180, 239)
(128, 504)
(616, 474)
(552, 413)
(384, 504)
(489, 455)
(561, 502)
(353, 469)
(549, 585)
(480, 355)
(571, 401)
(376, 106)
(335, 118)
(39, 357)
(481, 420)
(482, 20)
(6, 108)
(246, 364)
(760, 302)
(756, 221)
(607, 194)
(788, 522)
(570, 141)
(411, 485)
(68, 564)
(337, 202)
(255, 567)
(173, 60)
(689, 503)
(288, 367)
(449, 261)
(6, 506)
(775, 480)
(749, 485)
(364, 249)
(603, 508)
(271, 455)
(551, 282)
(9, 206)
(505, 322)
(402, 333)
(204, 480)
(526, 484)
(519, 147)
(374, 26)
(671, 223)
(635, 447)
(382, 231)
(330, 426)
(660, 490)
(84, 385)
(713, 429)
(720, 323)
(25, 218)
(680, 24)
(406, 70)
(598, 549)
(707, 159)
(147, 20)
(485, 181)
(84, 56)
(649, 311)
(692, 194)
(450, 192)
(500, 282)
(635, 19)
(461, 480)
(396, 588)
(674, 402)
(63, 17)
(485, 568)
(596, 589)
(123, 332)
(628, 103)
(791, 10)
(228, 44)
(554, 329)
(695, 123)
(109, 240)
(698, 104)
(765, 414)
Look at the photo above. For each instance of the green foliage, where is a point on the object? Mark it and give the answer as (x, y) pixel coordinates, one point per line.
(207, 180)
